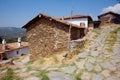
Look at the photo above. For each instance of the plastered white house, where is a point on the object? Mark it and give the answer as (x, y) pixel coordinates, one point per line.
(17, 52)
(80, 20)
(11, 50)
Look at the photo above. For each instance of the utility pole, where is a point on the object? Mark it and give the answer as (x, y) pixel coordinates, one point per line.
(69, 38)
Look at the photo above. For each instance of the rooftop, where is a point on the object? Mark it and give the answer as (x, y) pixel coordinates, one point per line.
(13, 46)
(50, 18)
(75, 17)
(110, 12)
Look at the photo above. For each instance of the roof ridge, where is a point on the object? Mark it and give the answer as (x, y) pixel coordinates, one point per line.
(76, 16)
(109, 12)
(56, 19)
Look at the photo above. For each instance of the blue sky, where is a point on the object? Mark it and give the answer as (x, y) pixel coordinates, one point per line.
(16, 13)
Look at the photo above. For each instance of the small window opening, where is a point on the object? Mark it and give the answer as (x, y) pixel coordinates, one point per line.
(82, 24)
(17, 52)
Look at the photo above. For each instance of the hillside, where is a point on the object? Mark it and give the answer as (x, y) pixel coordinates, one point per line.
(12, 32)
(99, 59)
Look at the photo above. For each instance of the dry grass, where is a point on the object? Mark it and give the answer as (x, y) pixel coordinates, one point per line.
(96, 32)
(107, 24)
(42, 74)
(111, 38)
(51, 61)
(10, 75)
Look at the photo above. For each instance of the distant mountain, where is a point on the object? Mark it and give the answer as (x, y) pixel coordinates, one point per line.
(12, 32)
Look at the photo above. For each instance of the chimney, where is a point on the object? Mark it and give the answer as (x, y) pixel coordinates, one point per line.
(19, 42)
(4, 44)
(63, 18)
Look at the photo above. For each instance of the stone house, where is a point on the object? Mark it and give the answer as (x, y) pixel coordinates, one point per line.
(109, 17)
(80, 20)
(48, 35)
(96, 24)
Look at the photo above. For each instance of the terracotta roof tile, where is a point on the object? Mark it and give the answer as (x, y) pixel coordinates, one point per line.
(13, 46)
(75, 17)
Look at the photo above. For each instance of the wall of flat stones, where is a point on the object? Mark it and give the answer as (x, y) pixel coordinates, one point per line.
(76, 44)
(110, 18)
(77, 33)
(47, 37)
(106, 18)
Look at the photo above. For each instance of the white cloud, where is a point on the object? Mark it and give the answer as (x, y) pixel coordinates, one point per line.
(115, 8)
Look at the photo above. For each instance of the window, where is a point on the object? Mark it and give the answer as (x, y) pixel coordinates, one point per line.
(82, 24)
(17, 52)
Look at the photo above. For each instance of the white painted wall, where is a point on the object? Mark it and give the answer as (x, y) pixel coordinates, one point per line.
(78, 21)
(17, 52)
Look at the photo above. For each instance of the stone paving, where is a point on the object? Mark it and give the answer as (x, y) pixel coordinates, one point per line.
(95, 63)
(60, 76)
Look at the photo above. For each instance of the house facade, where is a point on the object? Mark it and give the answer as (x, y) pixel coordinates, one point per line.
(11, 50)
(109, 17)
(80, 20)
(96, 24)
(48, 35)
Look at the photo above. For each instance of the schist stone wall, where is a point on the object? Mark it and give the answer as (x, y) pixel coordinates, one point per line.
(47, 37)
(112, 18)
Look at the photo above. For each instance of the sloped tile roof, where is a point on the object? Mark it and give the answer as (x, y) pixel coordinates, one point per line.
(75, 17)
(50, 18)
(13, 46)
